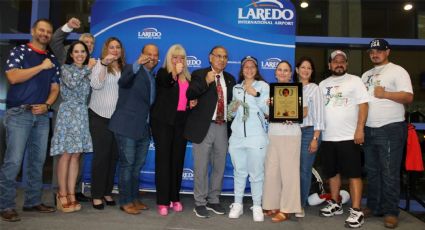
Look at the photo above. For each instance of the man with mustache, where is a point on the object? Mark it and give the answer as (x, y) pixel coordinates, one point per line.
(33, 74)
(346, 106)
(390, 88)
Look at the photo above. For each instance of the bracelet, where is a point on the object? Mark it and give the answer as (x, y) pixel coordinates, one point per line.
(102, 63)
(48, 106)
(315, 138)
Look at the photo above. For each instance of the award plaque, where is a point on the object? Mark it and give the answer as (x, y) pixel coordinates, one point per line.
(286, 102)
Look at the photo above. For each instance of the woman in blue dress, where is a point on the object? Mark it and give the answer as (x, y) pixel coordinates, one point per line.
(71, 135)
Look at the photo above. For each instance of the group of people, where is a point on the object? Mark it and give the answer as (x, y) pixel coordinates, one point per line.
(129, 103)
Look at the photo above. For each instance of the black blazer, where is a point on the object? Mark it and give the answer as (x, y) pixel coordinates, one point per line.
(167, 97)
(200, 117)
(132, 110)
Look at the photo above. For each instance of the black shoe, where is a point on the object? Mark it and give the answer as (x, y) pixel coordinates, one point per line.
(82, 198)
(216, 208)
(201, 211)
(109, 203)
(100, 206)
(10, 215)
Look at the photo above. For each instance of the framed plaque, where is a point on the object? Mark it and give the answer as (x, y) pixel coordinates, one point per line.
(286, 102)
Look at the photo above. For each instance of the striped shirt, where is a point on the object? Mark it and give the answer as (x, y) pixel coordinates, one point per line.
(104, 95)
(316, 107)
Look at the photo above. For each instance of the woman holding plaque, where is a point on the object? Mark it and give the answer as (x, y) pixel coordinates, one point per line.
(311, 127)
(281, 194)
(248, 142)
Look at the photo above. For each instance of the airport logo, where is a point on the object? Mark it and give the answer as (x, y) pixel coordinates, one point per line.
(193, 61)
(270, 63)
(187, 174)
(266, 12)
(149, 33)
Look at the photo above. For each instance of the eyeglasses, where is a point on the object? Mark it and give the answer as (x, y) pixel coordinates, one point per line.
(219, 56)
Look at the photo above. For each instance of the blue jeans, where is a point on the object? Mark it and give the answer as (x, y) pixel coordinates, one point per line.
(383, 149)
(23, 130)
(132, 154)
(306, 162)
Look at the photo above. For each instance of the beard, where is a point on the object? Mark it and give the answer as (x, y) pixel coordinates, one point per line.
(338, 73)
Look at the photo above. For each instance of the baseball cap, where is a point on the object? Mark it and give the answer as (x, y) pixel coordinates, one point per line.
(249, 58)
(336, 53)
(379, 44)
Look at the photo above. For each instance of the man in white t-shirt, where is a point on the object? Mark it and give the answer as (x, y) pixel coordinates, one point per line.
(389, 88)
(346, 106)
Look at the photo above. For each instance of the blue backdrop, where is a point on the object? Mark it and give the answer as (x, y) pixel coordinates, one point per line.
(264, 29)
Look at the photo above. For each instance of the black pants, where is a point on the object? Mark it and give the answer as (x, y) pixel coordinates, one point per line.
(105, 155)
(170, 148)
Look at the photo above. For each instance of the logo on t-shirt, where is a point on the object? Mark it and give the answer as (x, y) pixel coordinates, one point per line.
(334, 97)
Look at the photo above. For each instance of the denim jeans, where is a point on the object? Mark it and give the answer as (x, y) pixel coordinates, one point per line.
(383, 149)
(306, 162)
(23, 130)
(132, 154)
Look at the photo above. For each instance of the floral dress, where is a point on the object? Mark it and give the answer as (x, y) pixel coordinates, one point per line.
(71, 133)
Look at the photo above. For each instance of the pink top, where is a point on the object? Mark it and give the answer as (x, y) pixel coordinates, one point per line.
(181, 106)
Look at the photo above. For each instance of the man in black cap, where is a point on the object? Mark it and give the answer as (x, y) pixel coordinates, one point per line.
(389, 88)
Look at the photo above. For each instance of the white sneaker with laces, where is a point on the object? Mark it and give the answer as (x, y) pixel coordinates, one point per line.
(331, 209)
(257, 213)
(300, 214)
(355, 220)
(236, 210)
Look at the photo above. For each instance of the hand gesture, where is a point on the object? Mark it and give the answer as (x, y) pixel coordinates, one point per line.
(47, 64)
(193, 103)
(179, 68)
(210, 77)
(250, 90)
(379, 92)
(109, 59)
(91, 63)
(39, 109)
(143, 59)
(74, 23)
(236, 106)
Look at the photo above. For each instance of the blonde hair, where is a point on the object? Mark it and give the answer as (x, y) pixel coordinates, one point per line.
(176, 50)
(121, 60)
(86, 35)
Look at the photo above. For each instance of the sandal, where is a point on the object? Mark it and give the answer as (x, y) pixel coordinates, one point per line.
(270, 212)
(280, 217)
(73, 202)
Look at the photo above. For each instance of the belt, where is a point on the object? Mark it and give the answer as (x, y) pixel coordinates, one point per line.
(305, 127)
(26, 107)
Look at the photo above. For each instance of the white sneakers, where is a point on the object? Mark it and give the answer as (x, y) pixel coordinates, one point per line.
(236, 210)
(257, 213)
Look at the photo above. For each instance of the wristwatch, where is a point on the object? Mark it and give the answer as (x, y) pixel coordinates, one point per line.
(48, 106)
(258, 94)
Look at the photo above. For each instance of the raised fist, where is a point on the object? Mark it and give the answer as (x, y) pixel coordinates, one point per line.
(47, 64)
(74, 23)
(179, 68)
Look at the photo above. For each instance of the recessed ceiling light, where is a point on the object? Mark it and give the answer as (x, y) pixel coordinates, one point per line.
(304, 4)
(408, 6)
